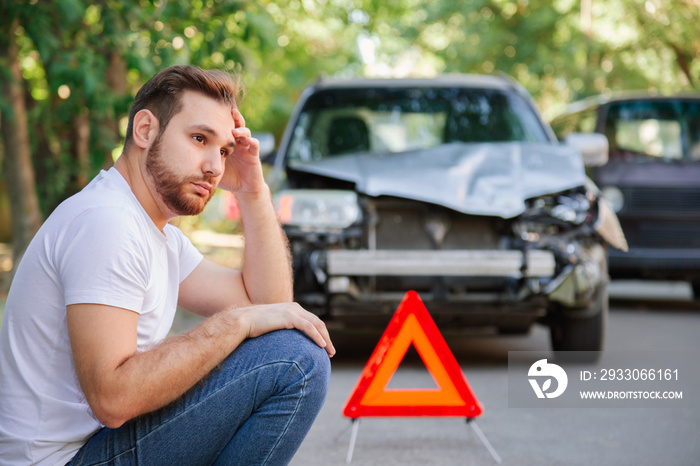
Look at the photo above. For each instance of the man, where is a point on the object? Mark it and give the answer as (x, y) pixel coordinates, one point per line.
(87, 375)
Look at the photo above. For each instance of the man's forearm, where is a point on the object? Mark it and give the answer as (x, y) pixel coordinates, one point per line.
(151, 379)
(120, 383)
(267, 271)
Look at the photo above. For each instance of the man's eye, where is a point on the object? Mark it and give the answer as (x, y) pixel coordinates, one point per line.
(224, 152)
(198, 138)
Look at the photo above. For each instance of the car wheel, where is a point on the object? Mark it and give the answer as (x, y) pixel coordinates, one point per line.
(696, 290)
(585, 333)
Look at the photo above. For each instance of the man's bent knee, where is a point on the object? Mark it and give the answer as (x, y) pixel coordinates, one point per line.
(311, 359)
(291, 346)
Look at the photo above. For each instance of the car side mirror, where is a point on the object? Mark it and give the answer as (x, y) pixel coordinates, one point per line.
(267, 146)
(592, 146)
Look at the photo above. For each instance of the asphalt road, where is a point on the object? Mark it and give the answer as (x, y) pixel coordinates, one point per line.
(643, 316)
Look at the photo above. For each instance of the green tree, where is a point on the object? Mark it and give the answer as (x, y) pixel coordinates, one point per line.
(560, 50)
(25, 215)
(70, 69)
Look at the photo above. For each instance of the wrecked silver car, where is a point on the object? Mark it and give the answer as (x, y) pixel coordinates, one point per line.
(453, 187)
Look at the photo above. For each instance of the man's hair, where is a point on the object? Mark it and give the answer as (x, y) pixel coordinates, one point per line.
(162, 94)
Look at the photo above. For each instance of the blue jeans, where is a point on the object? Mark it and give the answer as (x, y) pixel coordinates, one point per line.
(255, 408)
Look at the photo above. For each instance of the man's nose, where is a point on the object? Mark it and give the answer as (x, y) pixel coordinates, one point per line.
(213, 164)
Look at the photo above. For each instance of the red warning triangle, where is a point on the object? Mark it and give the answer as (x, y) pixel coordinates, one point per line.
(412, 323)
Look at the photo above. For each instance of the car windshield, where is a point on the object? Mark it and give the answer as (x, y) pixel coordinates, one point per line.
(379, 120)
(654, 130)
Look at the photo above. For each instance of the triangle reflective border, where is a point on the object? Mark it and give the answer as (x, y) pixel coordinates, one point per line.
(412, 324)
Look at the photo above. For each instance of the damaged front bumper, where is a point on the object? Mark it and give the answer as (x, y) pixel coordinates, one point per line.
(535, 271)
(514, 264)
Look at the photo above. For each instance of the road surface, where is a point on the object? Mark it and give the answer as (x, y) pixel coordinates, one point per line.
(643, 316)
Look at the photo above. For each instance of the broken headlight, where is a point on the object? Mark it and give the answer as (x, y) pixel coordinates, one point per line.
(317, 208)
(553, 213)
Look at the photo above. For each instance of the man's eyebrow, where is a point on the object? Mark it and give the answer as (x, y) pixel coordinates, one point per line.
(211, 132)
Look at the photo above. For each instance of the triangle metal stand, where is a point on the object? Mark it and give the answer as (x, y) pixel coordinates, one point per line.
(484, 440)
(470, 421)
(353, 438)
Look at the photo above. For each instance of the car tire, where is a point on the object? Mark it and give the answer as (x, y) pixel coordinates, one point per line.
(696, 290)
(582, 333)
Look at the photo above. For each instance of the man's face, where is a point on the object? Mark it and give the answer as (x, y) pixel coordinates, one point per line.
(172, 187)
(186, 161)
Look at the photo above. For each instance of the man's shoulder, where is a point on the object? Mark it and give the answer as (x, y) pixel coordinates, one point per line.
(83, 209)
(104, 199)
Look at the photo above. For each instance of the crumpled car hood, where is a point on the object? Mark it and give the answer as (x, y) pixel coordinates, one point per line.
(491, 179)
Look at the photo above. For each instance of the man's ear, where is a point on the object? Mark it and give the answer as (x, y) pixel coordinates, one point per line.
(145, 128)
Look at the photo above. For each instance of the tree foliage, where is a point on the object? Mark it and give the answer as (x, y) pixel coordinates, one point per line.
(82, 61)
(560, 50)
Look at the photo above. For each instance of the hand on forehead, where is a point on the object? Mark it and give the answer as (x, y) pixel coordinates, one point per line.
(237, 118)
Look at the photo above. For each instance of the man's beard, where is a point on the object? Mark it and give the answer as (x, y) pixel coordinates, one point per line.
(171, 188)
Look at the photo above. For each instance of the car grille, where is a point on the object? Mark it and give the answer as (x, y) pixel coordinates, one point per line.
(664, 235)
(406, 224)
(641, 200)
(664, 218)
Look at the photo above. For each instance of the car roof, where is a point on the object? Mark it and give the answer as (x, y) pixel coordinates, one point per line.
(446, 80)
(624, 96)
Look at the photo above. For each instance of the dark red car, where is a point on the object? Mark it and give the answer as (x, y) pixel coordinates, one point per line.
(652, 180)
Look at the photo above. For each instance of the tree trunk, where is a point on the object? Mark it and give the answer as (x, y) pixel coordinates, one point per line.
(80, 151)
(683, 62)
(116, 80)
(17, 164)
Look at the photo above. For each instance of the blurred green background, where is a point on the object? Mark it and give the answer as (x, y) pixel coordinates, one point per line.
(70, 68)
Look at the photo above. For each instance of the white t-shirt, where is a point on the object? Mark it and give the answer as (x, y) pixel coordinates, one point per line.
(99, 247)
